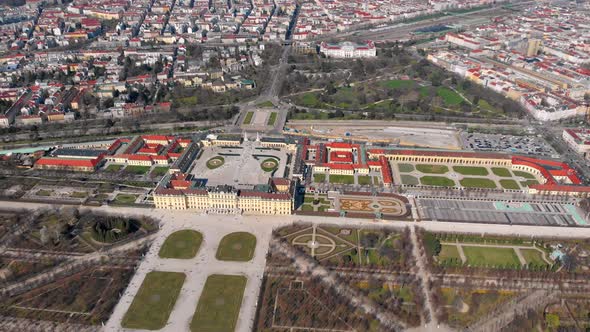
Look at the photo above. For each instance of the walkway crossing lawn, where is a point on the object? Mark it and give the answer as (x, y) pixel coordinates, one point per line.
(439, 181)
(113, 168)
(219, 304)
(509, 184)
(135, 169)
(272, 119)
(492, 257)
(248, 118)
(501, 171)
(405, 168)
(448, 253)
(364, 180)
(410, 180)
(533, 256)
(319, 178)
(449, 96)
(237, 246)
(478, 183)
(528, 183)
(524, 174)
(154, 301)
(344, 179)
(433, 169)
(470, 170)
(182, 244)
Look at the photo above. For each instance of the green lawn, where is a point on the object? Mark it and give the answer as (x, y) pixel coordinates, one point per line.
(160, 170)
(248, 118)
(344, 179)
(478, 183)
(309, 99)
(509, 184)
(501, 171)
(219, 304)
(125, 198)
(319, 178)
(364, 180)
(237, 246)
(44, 192)
(154, 301)
(266, 104)
(79, 194)
(215, 162)
(439, 181)
(182, 244)
(113, 168)
(528, 183)
(432, 169)
(498, 257)
(524, 174)
(533, 256)
(405, 168)
(470, 170)
(449, 96)
(136, 169)
(272, 119)
(409, 179)
(449, 252)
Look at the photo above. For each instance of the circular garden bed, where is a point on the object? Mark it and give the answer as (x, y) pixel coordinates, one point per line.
(215, 162)
(269, 165)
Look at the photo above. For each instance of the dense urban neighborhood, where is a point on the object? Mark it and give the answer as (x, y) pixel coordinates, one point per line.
(276, 165)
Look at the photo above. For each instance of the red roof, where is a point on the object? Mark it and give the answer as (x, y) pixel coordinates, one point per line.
(48, 161)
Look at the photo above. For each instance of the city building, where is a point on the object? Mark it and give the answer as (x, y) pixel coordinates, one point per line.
(348, 50)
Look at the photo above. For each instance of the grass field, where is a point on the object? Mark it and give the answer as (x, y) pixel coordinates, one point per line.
(266, 104)
(113, 168)
(272, 119)
(182, 244)
(533, 256)
(509, 184)
(136, 169)
(125, 198)
(237, 246)
(478, 183)
(432, 169)
(405, 168)
(160, 170)
(470, 170)
(524, 174)
(364, 180)
(449, 252)
(79, 194)
(319, 178)
(439, 181)
(528, 183)
(501, 171)
(485, 256)
(219, 304)
(409, 179)
(344, 179)
(248, 118)
(44, 192)
(154, 301)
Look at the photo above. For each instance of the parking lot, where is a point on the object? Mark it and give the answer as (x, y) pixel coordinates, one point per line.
(531, 145)
(542, 214)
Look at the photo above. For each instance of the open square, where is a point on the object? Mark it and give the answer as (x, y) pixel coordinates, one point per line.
(241, 166)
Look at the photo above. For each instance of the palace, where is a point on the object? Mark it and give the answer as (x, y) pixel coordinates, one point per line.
(181, 191)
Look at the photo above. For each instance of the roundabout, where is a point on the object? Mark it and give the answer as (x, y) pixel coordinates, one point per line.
(269, 165)
(215, 162)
